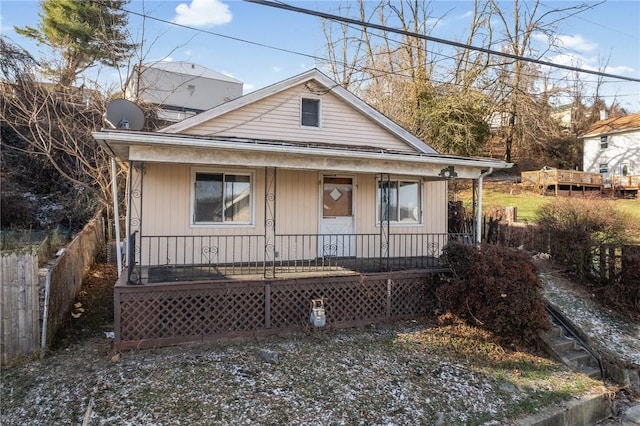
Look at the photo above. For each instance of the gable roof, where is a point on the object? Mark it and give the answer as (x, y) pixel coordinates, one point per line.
(614, 125)
(321, 79)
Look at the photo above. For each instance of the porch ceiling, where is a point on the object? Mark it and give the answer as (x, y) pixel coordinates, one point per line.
(252, 153)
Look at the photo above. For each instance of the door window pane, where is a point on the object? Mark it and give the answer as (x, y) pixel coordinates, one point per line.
(337, 197)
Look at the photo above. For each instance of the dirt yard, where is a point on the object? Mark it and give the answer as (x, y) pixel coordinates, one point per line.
(417, 372)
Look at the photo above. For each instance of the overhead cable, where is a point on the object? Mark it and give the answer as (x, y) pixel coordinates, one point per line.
(435, 39)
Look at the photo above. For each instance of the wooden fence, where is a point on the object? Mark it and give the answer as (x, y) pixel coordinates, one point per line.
(66, 274)
(20, 315)
(29, 321)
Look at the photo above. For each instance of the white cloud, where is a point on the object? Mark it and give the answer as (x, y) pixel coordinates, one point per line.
(276, 68)
(248, 87)
(567, 59)
(576, 42)
(620, 70)
(203, 13)
(593, 63)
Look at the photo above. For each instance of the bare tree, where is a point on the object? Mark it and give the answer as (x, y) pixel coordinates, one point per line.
(54, 124)
(515, 78)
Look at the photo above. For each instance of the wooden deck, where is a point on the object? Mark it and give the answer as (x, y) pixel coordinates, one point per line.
(625, 183)
(574, 180)
(558, 179)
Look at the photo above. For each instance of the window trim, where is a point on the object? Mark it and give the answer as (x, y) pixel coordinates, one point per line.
(315, 99)
(603, 170)
(421, 197)
(224, 172)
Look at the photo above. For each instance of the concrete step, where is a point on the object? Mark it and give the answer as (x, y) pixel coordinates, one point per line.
(593, 372)
(556, 331)
(563, 344)
(576, 357)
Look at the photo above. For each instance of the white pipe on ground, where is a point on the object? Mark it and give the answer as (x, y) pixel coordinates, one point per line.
(45, 313)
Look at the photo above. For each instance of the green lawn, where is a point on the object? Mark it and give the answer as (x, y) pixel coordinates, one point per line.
(527, 202)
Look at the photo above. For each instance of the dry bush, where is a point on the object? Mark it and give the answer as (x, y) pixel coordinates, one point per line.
(579, 226)
(495, 287)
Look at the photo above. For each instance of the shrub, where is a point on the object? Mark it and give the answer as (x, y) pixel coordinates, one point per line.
(495, 287)
(576, 227)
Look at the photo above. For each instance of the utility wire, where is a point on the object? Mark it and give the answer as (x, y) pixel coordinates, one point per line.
(308, 55)
(435, 39)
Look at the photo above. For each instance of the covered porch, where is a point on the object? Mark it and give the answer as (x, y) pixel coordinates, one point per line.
(362, 229)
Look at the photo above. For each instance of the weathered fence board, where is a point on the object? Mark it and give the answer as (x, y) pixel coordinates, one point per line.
(20, 288)
(68, 271)
(20, 305)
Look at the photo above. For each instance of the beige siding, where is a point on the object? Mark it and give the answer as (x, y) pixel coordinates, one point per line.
(297, 197)
(278, 117)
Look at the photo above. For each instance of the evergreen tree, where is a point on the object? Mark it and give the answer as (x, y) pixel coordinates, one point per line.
(82, 33)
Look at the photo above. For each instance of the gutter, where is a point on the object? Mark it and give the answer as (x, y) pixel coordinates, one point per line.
(479, 216)
(130, 138)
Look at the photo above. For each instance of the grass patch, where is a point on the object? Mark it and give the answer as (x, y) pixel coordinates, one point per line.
(528, 202)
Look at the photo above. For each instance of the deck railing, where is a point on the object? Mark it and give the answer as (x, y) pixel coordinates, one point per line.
(187, 257)
(626, 182)
(561, 177)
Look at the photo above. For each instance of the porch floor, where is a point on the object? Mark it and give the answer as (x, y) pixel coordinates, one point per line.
(289, 270)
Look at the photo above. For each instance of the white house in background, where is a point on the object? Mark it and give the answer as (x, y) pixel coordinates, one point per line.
(612, 147)
(182, 89)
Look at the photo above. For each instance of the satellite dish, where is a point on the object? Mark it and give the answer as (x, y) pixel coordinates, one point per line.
(124, 114)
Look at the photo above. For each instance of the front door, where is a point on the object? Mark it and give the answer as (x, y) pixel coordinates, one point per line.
(337, 224)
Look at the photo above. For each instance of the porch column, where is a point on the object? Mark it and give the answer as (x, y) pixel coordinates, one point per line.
(480, 178)
(269, 265)
(476, 227)
(384, 209)
(134, 215)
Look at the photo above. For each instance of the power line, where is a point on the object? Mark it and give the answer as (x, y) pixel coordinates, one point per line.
(255, 43)
(314, 57)
(434, 39)
(373, 71)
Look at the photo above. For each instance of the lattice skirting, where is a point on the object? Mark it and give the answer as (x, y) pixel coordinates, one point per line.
(167, 314)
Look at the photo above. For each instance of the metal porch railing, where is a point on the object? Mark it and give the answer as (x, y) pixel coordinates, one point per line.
(167, 258)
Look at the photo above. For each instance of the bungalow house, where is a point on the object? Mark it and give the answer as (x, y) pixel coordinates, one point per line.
(242, 217)
(612, 148)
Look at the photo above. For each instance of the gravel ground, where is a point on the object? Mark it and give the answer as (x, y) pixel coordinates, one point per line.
(411, 373)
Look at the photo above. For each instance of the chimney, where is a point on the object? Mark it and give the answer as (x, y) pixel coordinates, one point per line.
(604, 114)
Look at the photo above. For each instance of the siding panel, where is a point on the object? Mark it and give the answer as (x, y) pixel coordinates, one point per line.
(278, 117)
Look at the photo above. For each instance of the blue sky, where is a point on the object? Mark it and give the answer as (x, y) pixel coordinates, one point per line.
(610, 31)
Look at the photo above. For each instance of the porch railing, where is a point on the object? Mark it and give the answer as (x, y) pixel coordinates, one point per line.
(562, 177)
(630, 182)
(186, 257)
